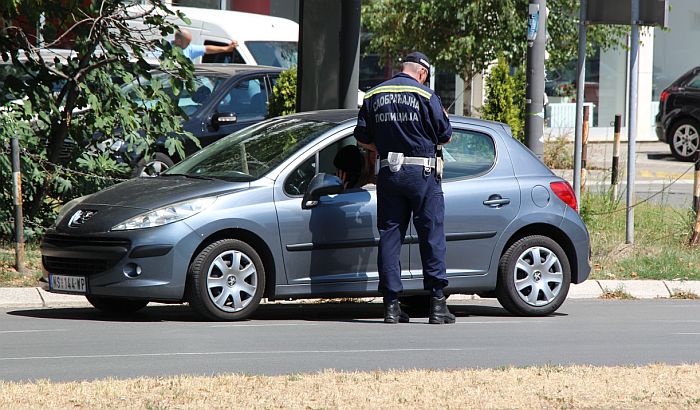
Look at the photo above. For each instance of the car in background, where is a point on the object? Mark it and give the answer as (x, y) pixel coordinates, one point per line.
(227, 98)
(260, 214)
(678, 119)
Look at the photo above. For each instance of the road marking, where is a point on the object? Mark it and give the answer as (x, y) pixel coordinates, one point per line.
(32, 331)
(262, 352)
(266, 325)
(378, 320)
(695, 334)
(489, 322)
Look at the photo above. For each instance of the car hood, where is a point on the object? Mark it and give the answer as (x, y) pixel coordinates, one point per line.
(118, 203)
(153, 193)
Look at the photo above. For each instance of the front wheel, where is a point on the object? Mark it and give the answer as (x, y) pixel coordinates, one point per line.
(226, 281)
(116, 305)
(533, 277)
(154, 166)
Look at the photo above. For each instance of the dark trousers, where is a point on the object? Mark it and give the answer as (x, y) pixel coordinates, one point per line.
(400, 194)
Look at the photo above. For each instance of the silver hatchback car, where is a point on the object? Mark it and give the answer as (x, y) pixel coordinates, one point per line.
(261, 214)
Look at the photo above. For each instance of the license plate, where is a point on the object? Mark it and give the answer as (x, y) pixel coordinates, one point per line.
(70, 284)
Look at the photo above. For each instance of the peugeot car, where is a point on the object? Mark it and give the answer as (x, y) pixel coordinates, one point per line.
(261, 214)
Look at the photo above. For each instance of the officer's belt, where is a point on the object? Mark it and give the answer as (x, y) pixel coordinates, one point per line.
(422, 161)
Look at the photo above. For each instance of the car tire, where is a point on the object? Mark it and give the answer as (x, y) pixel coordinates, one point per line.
(153, 166)
(217, 289)
(520, 274)
(116, 305)
(684, 139)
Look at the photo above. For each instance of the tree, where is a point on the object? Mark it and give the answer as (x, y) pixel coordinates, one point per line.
(465, 36)
(505, 98)
(54, 100)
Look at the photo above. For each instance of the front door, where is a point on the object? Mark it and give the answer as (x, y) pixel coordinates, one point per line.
(336, 241)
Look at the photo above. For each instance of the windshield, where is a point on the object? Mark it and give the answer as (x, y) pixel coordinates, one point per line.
(274, 53)
(205, 85)
(252, 152)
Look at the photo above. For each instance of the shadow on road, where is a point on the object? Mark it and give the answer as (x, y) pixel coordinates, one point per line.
(338, 312)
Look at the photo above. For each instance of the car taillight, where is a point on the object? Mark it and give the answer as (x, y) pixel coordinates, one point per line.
(664, 96)
(563, 190)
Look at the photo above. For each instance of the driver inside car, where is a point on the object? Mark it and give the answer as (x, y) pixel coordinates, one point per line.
(349, 163)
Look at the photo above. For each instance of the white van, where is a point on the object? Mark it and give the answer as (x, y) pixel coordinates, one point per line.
(262, 40)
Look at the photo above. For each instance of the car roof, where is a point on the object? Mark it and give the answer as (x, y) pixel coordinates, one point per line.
(232, 69)
(339, 116)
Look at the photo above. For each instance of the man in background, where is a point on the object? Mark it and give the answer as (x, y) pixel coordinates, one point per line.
(183, 39)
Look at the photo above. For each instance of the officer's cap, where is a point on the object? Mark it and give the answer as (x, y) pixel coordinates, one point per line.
(417, 57)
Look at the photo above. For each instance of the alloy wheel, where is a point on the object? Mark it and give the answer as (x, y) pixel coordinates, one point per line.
(232, 281)
(686, 140)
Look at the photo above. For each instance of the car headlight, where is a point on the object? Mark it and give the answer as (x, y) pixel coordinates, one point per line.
(167, 214)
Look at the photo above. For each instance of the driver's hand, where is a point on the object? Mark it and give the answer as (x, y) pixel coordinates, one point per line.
(343, 177)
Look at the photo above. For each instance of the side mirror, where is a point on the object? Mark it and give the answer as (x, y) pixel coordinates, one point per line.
(225, 118)
(321, 184)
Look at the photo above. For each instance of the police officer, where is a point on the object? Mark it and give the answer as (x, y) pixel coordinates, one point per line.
(404, 121)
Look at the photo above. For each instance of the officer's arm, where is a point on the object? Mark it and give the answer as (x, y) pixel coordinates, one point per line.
(441, 124)
(362, 132)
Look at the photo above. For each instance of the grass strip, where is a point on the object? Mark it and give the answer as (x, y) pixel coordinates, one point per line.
(543, 387)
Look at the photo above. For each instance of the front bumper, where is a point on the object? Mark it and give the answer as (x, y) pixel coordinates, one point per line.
(147, 263)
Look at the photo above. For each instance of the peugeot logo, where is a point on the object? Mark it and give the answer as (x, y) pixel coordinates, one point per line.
(80, 217)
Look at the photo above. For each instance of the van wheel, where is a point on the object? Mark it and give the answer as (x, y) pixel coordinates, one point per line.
(226, 281)
(533, 277)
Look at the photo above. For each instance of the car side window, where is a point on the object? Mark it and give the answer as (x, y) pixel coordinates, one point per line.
(323, 161)
(468, 154)
(222, 58)
(247, 98)
(694, 82)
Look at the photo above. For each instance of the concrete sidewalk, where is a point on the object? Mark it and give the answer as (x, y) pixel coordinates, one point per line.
(591, 289)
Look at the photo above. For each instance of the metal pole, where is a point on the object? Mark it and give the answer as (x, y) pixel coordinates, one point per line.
(580, 86)
(534, 97)
(584, 148)
(632, 121)
(616, 157)
(349, 54)
(17, 199)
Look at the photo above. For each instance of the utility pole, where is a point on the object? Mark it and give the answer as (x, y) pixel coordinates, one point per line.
(632, 120)
(580, 87)
(534, 93)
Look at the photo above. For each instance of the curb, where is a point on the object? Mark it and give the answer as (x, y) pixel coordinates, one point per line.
(590, 289)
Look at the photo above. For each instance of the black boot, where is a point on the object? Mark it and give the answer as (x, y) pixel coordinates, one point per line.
(439, 314)
(393, 313)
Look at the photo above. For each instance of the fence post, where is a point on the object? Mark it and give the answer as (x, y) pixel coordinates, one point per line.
(696, 183)
(584, 147)
(17, 200)
(616, 158)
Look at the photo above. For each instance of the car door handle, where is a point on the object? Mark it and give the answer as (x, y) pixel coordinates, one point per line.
(496, 201)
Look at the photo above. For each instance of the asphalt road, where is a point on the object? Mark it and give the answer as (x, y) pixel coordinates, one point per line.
(80, 343)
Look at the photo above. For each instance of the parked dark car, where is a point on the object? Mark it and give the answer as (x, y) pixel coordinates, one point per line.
(678, 120)
(260, 214)
(227, 98)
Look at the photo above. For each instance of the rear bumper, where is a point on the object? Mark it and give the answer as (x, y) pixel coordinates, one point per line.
(580, 239)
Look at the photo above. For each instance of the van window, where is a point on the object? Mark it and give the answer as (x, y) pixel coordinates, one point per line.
(274, 53)
(222, 58)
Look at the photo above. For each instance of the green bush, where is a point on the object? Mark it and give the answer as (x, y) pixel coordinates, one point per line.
(284, 94)
(505, 98)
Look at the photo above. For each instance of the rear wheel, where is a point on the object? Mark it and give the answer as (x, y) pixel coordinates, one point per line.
(116, 305)
(685, 139)
(533, 277)
(226, 281)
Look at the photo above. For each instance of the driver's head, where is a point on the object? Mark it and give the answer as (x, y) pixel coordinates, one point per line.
(349, 160)
(183, 37)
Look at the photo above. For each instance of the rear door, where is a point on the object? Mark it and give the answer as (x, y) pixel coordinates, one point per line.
(482, 197)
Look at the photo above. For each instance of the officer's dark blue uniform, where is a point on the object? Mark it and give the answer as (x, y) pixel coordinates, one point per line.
(401, 115)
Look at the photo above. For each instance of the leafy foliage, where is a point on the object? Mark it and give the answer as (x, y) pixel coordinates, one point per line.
(505, 98)
(465, 36)
(284, 95)
(68, 109)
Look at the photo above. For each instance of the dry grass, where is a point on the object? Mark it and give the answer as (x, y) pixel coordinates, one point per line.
(618, 293)
(560, 387)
